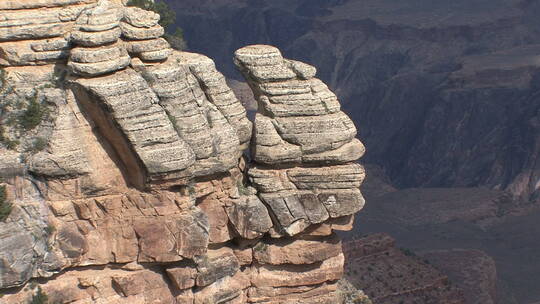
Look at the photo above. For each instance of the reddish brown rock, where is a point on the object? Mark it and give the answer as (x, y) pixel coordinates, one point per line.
(182, 277)
(185, 297)
(140, 193)
(321, 293)
(297, 252)
(101, 286)
(215, 265)
(298, 275)
(244, 256)
(226, 290)
(217, 219)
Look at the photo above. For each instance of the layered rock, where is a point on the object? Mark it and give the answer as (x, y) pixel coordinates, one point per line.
(299, 126)
(97, 39)
(304, 150)
(143, 34)
(299, 119)
(132, 187)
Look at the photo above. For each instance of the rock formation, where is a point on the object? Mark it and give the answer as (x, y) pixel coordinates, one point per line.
(123, 162)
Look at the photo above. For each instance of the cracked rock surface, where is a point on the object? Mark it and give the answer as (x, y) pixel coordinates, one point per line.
(133, 186)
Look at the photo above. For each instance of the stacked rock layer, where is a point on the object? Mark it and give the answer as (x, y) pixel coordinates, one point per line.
(140, 192)
(304, 150)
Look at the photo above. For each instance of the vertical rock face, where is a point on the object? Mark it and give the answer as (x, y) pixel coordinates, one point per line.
(304, 147)
(122, 161)
(304, 150)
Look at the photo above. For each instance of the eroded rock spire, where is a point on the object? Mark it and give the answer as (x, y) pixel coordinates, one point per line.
(138, 190)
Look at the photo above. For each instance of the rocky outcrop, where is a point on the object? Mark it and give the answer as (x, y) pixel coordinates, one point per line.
(123, 163)
(143, 33)
(299, 126)
(299, 119)
(303, 148)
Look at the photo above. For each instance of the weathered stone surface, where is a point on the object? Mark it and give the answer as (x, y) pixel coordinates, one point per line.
(297, 252)
(198, 120)
(185, 297)
(140, 18)
(348, 176)
(22, 53)
(136, 33)
(91, 39)
(123, 229)
(302, 70)
(182, 277)
(214, 208)
(106, 12)
(63, 156)
(298, 275)
(140, 124)
(99, 54)
(324, 293)
(249, 217)
(16, 4)
(100, 68)
(97, 35)
(219, 93)
(140, 194)
(301, 196)
(23, 243)
(298, 116)
(139, 46)
(344, 223)
(37, 24)
(150, 50)
(299, 124)
(215, 265)
(101, 286)
(226, 290)
(159, 55)
(244, 256)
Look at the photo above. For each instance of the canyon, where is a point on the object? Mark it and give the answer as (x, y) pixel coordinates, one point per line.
(445, 94)
(133, 175)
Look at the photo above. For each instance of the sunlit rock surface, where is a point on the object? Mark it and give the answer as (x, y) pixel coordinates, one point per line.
(132, 186)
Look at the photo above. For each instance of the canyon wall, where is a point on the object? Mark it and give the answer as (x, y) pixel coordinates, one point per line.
(124, 166)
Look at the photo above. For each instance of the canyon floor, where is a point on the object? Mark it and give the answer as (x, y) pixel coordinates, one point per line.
(450, 226)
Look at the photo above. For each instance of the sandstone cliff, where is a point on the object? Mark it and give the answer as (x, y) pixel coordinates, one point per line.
(123, 163)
